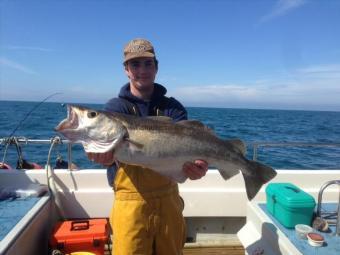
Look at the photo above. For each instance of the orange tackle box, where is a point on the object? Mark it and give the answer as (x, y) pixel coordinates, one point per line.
(89, 235)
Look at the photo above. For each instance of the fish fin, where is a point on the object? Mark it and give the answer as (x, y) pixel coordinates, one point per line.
(240, 145)
(195, 124)
(179, 177)
(228, 171)
(139, 146)
(160, 118)
(192, 123)
(261, 174)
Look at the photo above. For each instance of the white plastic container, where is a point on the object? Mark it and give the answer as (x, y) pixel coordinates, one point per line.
(315, 239)
(302, 230)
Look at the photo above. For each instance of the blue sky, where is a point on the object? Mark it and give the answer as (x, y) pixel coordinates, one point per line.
(272, 54)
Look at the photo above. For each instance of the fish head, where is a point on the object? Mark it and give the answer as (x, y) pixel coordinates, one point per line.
(98, 131)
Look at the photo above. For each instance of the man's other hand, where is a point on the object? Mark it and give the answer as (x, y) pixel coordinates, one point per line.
(196, 170)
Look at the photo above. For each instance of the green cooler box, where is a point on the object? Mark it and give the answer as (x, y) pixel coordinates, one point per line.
(289, 204)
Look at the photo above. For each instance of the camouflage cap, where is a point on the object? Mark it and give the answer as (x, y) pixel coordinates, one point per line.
(138, 48)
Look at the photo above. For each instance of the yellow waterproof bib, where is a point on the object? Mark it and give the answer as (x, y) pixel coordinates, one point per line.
(147, 214)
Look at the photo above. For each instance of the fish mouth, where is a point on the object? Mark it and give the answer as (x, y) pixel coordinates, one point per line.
(71, 122)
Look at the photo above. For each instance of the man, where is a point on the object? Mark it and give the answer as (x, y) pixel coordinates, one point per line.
(147, 214)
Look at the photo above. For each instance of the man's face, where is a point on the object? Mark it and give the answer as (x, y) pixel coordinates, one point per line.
(141, 72)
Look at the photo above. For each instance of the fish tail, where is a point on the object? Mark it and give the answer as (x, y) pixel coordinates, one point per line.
(260, 174)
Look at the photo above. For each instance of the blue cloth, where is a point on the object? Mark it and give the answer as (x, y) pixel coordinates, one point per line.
(173, 109)
(111, 174)
(7, 193)
(332, 242)
(12, 211)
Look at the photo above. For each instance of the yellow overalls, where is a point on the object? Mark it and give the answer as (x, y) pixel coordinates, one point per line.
(146, 217)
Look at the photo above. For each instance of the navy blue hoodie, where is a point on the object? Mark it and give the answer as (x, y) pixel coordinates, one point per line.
(172, 108)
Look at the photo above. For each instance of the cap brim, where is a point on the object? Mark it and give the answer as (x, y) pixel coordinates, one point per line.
(139, 55)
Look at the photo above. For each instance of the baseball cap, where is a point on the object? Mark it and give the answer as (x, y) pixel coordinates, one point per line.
(138, 48)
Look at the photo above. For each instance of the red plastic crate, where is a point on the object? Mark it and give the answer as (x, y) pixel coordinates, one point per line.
(89, 235)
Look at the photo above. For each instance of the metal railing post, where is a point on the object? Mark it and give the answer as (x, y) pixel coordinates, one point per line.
(337, 213)
(255, 146)
(69, 156)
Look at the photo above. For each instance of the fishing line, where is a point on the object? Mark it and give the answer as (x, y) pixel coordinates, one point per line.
(29, 113)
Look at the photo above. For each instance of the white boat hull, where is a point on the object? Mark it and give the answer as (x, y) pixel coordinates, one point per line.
(215, 209)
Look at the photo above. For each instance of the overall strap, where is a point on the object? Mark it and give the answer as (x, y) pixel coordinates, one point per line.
(162, 105)
(155, 111)
(132, 108)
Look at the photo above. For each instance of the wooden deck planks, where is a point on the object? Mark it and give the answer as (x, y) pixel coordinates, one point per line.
(226, 250)
(231, 247)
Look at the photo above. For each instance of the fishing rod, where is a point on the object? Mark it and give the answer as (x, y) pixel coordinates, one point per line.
(29, 113)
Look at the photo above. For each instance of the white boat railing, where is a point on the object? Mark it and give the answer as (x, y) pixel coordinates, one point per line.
(55, 140)
(255, 145)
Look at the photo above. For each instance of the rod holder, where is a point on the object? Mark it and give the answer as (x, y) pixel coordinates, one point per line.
(337, 213)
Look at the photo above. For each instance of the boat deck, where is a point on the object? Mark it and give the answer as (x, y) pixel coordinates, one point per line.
(215, 209)
(263, 232)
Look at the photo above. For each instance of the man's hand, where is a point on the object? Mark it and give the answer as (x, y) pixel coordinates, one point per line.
(195, 170)
(105, 159)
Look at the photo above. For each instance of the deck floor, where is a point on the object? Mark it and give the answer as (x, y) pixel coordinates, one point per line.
(235, 250)
(231, 248)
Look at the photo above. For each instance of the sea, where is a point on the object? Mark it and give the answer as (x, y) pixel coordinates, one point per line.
(286, 130)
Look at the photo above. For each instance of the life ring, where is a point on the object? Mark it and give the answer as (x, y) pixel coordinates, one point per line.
(5, 166)
(36, 165)
(24, 164)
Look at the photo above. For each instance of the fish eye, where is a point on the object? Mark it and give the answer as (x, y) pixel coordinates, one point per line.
(92, 114)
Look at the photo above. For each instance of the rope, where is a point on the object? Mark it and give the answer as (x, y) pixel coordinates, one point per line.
(50, 178)
(5, 152)
(19, 151)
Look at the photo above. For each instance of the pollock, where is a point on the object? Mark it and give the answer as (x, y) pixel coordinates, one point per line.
(162, 145)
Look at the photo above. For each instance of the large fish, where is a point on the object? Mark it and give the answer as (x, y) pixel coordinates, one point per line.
(161, 145)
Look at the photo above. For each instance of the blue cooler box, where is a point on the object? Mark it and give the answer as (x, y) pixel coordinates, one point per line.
(289, 204)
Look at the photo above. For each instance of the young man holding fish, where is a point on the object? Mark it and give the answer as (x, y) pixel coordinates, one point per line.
(147, 214)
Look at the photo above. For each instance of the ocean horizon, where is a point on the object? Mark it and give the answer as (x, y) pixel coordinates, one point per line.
(186, 106)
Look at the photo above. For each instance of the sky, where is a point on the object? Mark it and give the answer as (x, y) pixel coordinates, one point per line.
(259, 54)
